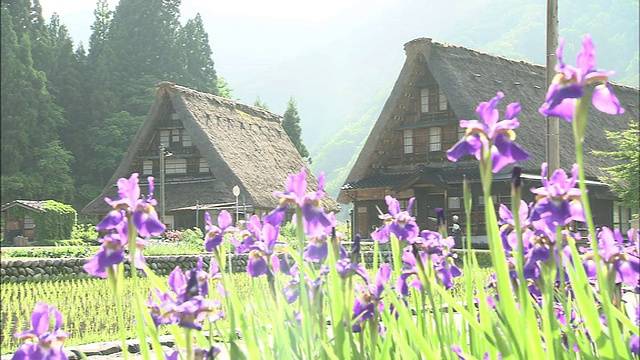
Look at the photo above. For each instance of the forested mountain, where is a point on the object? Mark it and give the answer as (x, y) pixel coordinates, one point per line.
(514, 29)
(68, 116)
(68, 112)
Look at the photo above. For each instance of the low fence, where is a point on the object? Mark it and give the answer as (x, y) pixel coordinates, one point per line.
(17, 270)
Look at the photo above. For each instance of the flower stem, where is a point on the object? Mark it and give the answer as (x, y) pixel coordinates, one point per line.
(579, 125)
(189, 343)
(113, 280)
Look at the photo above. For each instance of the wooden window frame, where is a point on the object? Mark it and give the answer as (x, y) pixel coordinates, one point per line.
(424, 100)
(407, 141)
(435, 139)
(147, 167)
(175, 166)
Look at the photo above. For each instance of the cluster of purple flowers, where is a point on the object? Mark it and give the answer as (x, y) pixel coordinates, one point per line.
(186, 304)
(130, 209)
(539, 240)
(40, 342)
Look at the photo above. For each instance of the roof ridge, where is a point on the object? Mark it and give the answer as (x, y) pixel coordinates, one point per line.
(268, 115)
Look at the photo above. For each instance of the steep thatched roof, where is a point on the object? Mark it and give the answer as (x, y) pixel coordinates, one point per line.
(468, 77)
(243, 145)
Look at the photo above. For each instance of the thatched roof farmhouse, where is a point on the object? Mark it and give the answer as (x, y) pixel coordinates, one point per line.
(439, 84)
(215, 144)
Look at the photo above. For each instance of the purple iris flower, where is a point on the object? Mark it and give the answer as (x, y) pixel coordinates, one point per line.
(263, 250)
(39, 342)
(558, 201)
(315, 220)
(433, 242)
(314, 286)
(142, 211)
(215, 234)
(570, 83)
(411, 272)
(206, 354)
(491, 135)
(397, 222)
(317, 249)
(626, 265)
(634, 344)
(185, 304)
(369, 297)
(111, 252)
(507, 226)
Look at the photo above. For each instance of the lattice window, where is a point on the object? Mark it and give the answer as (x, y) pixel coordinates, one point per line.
(204, 166)
(28, 222)
(175, 135)
(164, 137)
(435, 139)
(186, 139)
(442, 101)
(424, 100)
(407, 140)
(175, 166)
(454, 202)
(147, 167)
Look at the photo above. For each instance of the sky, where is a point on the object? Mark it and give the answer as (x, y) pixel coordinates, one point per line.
(247, 37)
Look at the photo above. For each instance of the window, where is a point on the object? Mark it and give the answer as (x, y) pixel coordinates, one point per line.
(147, 167)
(174, 116)
(424, 100)
(442, 100)
(453, 202)
(186, 140)
(407, 137)
(164, 137)
(175, 135)
(362, 222)
(28, 222)
(622, 217)
(204, 166)
(435, 139)
(175, 166)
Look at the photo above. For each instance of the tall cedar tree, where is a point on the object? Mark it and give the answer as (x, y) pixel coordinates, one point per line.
(200, 73)
(32, 121)
(291, 124)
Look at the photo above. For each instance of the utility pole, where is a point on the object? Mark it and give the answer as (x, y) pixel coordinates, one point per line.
(162, 149)
(553, 123)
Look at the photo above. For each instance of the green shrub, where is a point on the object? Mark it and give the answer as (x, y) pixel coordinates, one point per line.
(87, 233)
(52, 253)
(70, 242)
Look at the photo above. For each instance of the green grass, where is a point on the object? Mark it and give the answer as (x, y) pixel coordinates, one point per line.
(89, 311)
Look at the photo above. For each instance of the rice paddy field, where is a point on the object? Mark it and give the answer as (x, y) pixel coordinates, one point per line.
(86, 304)
(88, 308)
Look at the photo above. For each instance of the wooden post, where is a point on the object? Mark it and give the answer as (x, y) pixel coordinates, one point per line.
(553, 124)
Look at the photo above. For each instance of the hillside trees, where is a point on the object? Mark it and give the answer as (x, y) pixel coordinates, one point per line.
(624, 178)
(70, 113)
(291, 125)
(30, 119)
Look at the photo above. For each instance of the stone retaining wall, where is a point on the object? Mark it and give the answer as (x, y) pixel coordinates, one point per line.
(17, 270)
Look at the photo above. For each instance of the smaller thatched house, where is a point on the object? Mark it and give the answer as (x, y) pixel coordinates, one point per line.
(211, 145)
(27, 221)
(439, 84)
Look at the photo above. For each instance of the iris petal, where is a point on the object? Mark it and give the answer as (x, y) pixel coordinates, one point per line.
(605, 100)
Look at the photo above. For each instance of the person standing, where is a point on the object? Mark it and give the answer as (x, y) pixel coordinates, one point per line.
(456, 232)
